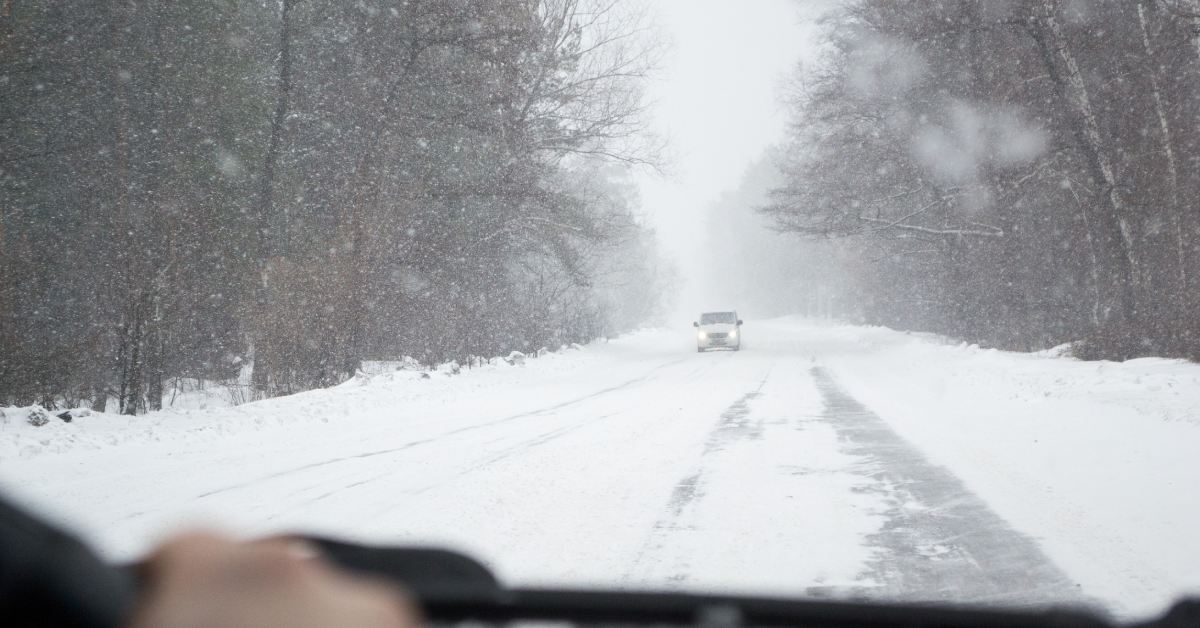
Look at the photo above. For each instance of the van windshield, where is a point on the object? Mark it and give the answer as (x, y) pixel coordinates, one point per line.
(712, 318)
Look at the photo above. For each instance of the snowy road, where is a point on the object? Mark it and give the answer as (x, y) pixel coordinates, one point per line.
(642, 463)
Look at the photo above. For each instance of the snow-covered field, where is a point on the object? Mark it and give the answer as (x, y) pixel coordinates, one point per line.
(819, 460)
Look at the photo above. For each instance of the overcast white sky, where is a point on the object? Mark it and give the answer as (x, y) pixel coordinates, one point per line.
(718, 102)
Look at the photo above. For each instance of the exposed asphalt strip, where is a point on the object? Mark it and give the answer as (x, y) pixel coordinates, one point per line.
(940, 542)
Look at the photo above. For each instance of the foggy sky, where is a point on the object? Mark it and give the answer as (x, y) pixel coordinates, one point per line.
(718, 101)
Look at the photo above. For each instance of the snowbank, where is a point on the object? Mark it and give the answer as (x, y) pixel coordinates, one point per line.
(381, 387)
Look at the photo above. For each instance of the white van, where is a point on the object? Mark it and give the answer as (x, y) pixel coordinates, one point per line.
(718, 329)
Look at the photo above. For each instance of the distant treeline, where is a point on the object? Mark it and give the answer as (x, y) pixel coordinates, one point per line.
(186, 187)
(1019, 173)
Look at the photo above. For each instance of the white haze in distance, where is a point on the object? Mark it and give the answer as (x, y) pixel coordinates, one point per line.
(718, 101)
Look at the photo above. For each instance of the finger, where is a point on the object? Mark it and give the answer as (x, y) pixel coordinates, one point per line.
(297, 546)
(182, 550)
(380, 603)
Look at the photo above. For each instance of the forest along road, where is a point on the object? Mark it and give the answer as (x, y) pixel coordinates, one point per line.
(638, 463)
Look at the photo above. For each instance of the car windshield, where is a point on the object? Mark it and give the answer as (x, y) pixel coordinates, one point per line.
(711, 318)
(425, 272)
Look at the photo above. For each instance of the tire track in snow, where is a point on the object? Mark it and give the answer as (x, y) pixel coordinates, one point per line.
(455, 432)
(495, 457)
(940, 542)
(506, 452)
(731, 425)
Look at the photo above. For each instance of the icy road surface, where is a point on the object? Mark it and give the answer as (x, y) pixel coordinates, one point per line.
(819, 460)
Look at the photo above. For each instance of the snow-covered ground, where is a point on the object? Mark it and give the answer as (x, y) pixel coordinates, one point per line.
(819, 460)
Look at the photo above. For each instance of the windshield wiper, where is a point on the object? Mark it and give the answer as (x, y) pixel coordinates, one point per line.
(453, 588)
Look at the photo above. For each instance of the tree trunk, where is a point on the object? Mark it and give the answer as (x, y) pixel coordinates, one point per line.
(132, 372)
(366, 189)
(263, 355)
(1094, 267)
(119, 281)
(1112, 221)
(1196, 27)
(1164, 126)
(99, 398)
(154, 369)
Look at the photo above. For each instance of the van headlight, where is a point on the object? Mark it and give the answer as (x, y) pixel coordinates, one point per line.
(733, 334)
(701, 335)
